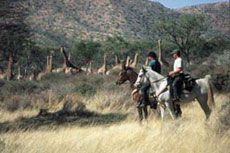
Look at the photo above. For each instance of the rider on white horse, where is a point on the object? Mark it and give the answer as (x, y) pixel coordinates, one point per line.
(202, 92)
(155, 65)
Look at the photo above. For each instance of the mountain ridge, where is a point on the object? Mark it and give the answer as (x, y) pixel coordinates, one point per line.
(63, 22)
(218, 14)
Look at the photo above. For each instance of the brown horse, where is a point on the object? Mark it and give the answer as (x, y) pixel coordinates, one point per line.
(128, 74)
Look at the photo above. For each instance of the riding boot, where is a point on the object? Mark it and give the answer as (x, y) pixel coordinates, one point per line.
(146, 100)
(177, 109)
(141, 104)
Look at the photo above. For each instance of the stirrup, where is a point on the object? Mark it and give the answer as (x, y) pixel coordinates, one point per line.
(175, 100)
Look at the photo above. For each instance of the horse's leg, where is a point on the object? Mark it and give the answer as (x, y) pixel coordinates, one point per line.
(145, 112)
(140, 114)
(204, 105)
(162, 110)
(157, 111)
(170, 108)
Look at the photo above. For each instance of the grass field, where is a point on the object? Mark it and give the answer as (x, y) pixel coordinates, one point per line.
(106, 131)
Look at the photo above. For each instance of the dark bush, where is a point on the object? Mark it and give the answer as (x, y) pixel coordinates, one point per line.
(16, 102)
(222, 82)
(21, 87)
(53, 77)
(224, 119)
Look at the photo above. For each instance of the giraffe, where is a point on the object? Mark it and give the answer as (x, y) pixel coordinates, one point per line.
(117, 65)
(128, 61)
(8, 75)
(103, 69)
(146, 61)
(117, 60)
(64, 66)
(70, 67)
(32, 75)
(19, 76)
(160, 57)
(48, 69)
(134, 64)
(90, 69)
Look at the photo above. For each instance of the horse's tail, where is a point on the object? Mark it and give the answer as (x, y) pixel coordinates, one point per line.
(211, 101)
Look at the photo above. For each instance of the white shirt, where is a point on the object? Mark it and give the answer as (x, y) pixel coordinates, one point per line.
(178, 63)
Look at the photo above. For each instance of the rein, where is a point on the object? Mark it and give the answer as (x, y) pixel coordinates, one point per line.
(159, 80)
(157, 95)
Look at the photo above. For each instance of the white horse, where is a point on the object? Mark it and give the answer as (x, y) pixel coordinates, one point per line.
(202, 91)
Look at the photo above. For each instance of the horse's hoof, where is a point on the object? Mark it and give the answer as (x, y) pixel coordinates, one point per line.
(178, 114)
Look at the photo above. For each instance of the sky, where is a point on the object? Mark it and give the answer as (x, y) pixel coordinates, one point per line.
(183, 3)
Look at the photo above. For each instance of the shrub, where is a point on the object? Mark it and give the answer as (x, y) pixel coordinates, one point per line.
(20, 87)
(224, 119)
(73, 106)
(85, 88)
(13, 103)
(88, 85)
(53, 77)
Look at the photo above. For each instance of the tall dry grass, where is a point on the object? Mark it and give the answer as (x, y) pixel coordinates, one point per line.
(190, 134)
(101, 118)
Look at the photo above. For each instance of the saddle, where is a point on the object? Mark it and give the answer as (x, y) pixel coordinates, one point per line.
(187, 85)
(188, 82)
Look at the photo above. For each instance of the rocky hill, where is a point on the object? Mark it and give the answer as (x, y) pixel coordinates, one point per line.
(65, 21)
(62, 22)
(217, 13)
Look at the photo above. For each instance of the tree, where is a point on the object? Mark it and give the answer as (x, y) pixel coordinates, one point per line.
(15, 34)
(115, 44)
(84, 51)
(185, 32)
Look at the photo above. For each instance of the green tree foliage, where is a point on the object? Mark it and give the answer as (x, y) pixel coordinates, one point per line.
(14, 33)
(185, 32)
(122, 47)
(84, 51)
(115, 44)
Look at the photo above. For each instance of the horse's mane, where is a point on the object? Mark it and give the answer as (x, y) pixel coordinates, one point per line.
(131, 69)
(148, 69)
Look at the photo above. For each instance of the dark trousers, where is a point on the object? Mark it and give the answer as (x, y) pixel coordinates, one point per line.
(176, 86)
(176, 83)
(144, 94)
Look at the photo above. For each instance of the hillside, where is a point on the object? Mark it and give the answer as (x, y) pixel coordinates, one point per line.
(57, 22)
(218, 13)
(63, 22)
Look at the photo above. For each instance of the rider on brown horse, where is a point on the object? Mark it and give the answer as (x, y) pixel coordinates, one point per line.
(155, 66)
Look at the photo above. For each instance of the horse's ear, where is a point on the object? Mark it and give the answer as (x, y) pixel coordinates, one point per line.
(143, 68)
(123, 67)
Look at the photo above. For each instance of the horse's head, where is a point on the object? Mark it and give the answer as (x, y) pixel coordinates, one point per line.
(141, 78)
(126, 74)
(122, 77)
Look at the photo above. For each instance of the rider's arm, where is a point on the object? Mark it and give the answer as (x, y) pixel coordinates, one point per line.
(178, 70)
(152, 63)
